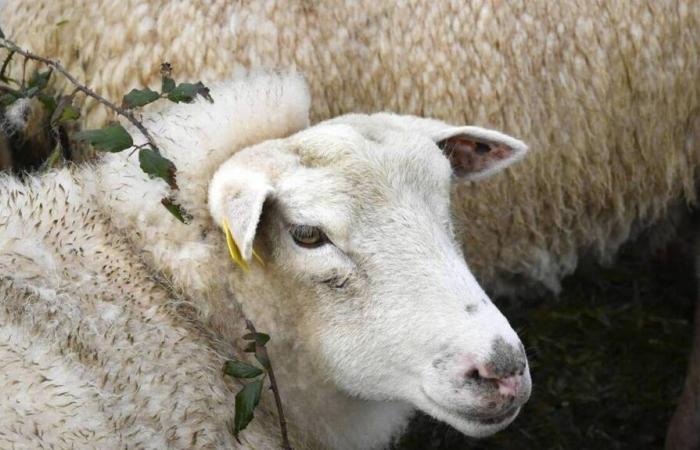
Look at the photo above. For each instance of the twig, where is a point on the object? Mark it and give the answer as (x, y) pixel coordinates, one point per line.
(273, 382)
(5, 64)
(128, 115)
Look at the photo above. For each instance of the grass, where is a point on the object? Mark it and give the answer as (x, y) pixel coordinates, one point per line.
(608, 358)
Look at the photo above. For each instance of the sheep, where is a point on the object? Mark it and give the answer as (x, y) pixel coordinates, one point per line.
(607, 94)
(117, 319)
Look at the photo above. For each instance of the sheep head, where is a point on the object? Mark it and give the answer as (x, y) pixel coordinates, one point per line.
(362, 271)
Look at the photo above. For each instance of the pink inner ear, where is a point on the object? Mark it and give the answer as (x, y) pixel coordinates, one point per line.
(468, 156)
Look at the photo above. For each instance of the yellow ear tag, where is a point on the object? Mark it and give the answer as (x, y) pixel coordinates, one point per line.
(258, 258)
(233, 249)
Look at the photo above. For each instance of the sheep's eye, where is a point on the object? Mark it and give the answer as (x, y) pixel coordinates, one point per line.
(308, 236)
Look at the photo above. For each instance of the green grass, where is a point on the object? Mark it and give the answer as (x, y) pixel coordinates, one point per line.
(608, 358)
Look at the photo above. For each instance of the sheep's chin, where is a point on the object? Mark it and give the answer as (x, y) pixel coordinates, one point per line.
(466, 424)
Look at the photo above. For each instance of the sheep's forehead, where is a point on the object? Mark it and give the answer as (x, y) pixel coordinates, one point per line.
(346, 175)
(370, 155)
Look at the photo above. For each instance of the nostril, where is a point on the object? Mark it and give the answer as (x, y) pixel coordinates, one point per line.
(472, 374)
(509, 386)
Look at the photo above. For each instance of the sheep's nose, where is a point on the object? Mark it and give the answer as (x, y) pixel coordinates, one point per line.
(505, 367)
(509, 384)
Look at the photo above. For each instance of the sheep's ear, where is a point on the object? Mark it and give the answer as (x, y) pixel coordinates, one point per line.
(236, 198)
(477, 153)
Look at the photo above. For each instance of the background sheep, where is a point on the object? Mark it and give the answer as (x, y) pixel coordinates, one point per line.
(607, 94)
(116, 318)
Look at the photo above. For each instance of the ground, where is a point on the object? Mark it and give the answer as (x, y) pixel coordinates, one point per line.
(608, 358)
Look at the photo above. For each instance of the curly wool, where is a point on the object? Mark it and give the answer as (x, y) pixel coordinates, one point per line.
(607, 95)
(113, 332)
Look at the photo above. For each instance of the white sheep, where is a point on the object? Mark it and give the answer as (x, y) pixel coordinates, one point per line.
(607, 95)
(116, 318)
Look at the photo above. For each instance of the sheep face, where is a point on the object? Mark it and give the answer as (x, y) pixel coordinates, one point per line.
(361, 268)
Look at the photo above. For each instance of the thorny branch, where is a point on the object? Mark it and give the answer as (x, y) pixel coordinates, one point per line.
(275, 390)
(128, 115)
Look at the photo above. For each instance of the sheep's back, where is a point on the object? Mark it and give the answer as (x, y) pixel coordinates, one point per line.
(607, 95)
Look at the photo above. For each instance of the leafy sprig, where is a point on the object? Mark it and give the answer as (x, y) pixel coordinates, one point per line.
(248, 398)
(113, 137)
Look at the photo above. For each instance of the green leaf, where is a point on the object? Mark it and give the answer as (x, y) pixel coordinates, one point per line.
(259, 338)
(30, 92)
(53, 159)
(246, 401)
(62, 22)
(69, 112)
(186, 92)
(261, 356)
(156, 165)
(37, 82)
(176, 210)
(167, 85)
(112, 138)
(49, 103)
(240, 369)
(139, 97)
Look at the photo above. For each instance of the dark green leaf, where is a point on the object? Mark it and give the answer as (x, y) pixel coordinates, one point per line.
(240, 369)
(167, 85)
(7, 99)
(259, 338)
(62, 22)
(246, 401)
(261, 356)
(139, 97)
(158, 166)
(176, 210)
(186, 92)
(38, 81)
(49, 103)
(30, 92)
(112, 138)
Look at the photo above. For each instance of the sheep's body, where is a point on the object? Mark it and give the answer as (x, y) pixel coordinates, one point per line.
(607, 94)
(100, 347)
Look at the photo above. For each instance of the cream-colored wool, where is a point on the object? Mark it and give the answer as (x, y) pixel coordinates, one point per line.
(606, 93)
(115, 318)
(103, 345)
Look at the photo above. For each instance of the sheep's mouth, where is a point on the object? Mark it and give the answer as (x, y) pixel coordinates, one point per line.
(492, 423)
(492, 420)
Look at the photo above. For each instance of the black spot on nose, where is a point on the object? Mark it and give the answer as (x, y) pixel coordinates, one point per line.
(506, 360)
(471, 309)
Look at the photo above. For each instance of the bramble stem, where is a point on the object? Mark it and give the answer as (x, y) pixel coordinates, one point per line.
(273, 382)
(128, 115)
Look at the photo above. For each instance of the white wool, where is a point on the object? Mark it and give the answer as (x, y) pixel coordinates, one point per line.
(606, 94)
(138, 312)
